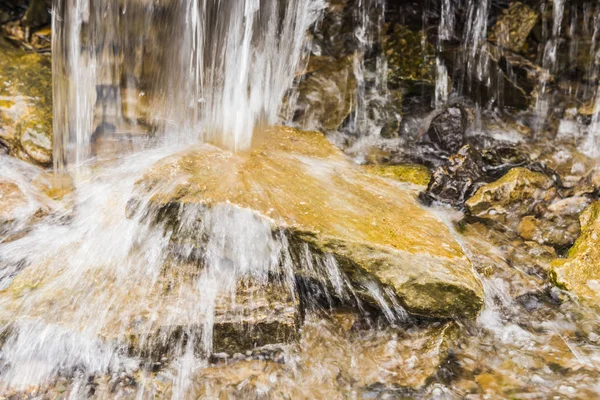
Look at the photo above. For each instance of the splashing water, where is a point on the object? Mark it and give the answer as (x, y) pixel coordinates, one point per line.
(118, 76)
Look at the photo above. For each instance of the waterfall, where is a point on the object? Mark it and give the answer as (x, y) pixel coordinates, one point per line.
(542, 106)
(210, 70)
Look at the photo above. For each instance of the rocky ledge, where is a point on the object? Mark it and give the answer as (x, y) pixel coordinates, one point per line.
(304, 187)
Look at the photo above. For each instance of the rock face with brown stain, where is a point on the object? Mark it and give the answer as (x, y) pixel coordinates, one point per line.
(580, 271)
(304, 186)
(26, 104)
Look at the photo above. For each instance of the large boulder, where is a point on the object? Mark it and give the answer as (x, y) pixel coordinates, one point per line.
(580, 272)
(26, 104)
(305, 187)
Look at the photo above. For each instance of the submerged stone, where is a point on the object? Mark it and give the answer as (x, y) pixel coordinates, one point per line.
(554, 231)
(157, 322)
(580, 271)
(389, 359)
(305, 187)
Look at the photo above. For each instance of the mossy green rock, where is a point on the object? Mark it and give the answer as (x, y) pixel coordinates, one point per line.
(26, 104)
(580, 271)
(305, 186)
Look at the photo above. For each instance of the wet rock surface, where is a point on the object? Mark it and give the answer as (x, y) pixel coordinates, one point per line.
(513, 28)
(325, 94)
(579, 271)
(26, 104)
(455, 182)
(525, 186)
(516, 194)
(389, 249)
(447, 130)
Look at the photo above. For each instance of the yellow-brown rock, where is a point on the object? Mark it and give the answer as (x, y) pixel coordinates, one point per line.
(411, 173)
(305, 186)
(512, 196)
(580, 271)
(26, 104)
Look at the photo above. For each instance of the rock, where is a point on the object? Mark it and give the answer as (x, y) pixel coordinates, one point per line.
(457, 180)
(514, 195)
(513, 28)
(390, 358)
(23, 197)
(516, 77)
(410, 360)
(257, 315)
(334, 35)
(326, 94)
(410, 57)
(447, 130)
(12, 199)
(36, 15)
(412, 173)
(307, 188)
(499, 257)
(26, 105)
(579, 272)
(556, 231)
(572, 166)
(150, 322)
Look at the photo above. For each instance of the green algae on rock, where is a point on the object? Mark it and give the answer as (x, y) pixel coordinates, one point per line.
(306, 187)
(26, 104)
(580, 271)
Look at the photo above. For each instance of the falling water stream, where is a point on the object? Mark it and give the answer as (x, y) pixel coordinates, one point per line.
(102, 296)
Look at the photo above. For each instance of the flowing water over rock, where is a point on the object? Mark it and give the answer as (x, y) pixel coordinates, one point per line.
(188, 248)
